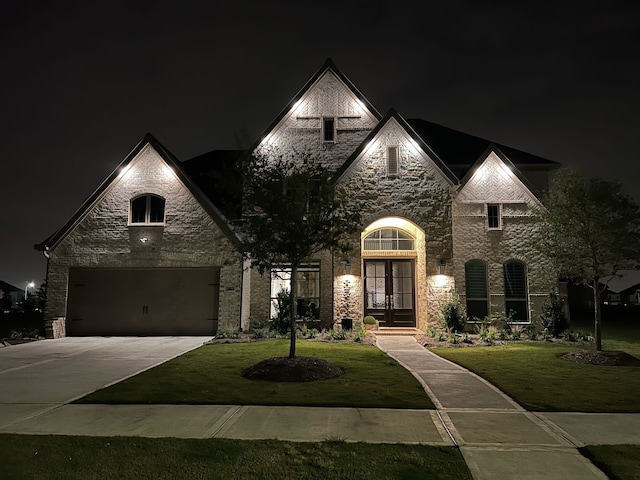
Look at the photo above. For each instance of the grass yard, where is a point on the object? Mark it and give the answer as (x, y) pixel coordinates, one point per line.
(535, 376)
(619, 462)
(211, 375)
(68, 458)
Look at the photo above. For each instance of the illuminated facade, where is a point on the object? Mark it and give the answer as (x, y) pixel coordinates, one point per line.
(443, 211)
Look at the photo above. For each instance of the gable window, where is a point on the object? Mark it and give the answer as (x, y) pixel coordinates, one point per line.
(147, 210)
(307, 286)
(475, 275)
(494, 216)
(515, 290)
(328, 129)
(392, 161)
(388, 239)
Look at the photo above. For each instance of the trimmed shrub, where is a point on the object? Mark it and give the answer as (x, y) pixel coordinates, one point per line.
(552, 317)
(454, 315)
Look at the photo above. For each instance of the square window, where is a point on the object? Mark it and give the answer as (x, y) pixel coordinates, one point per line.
(494, 217)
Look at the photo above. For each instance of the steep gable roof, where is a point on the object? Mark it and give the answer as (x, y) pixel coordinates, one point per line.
(511, 167)
(461, 150)
(328, 66)
(393, 114)
(98, 194)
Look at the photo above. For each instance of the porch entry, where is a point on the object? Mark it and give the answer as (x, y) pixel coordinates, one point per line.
(389, 292)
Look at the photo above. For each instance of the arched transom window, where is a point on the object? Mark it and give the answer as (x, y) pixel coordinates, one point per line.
(389, 239)
(147, 209)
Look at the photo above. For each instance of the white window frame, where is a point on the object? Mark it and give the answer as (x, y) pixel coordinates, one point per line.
(334, 132)
(499, 208)
(147, 213)
(390, 172)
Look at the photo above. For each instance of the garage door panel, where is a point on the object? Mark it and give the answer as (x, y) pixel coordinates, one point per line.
(142, 301)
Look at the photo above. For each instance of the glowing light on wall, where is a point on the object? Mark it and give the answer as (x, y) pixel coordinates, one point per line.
(370, 147)
(297, 107)
(168, 172)
(359, 106)
(504, 171)
(126, 172)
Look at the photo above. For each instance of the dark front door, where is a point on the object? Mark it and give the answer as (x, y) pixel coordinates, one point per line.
(389, 292)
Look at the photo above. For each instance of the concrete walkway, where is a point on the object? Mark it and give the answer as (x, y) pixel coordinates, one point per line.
(498, 439)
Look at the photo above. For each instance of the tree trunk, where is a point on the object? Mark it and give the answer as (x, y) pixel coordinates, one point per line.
(597, 331)
(293, 310)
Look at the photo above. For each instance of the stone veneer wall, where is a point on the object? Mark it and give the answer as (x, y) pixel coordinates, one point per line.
(419, 194)
(189, 238)
(473, 240)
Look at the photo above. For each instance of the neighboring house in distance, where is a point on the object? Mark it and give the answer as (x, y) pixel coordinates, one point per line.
(152, 250)
(623, 289)
(8, 290)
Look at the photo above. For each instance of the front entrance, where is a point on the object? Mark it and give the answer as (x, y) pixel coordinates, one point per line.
(389, 292)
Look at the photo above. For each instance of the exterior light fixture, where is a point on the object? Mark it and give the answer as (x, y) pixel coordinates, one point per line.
(144, 240)
(442, 266)
(347, 267)
(29, 285)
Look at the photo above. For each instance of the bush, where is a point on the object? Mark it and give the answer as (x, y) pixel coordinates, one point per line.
(552, 317)
(454, 315)
(369, 320)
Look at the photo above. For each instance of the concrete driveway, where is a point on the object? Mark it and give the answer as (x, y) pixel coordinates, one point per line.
(42, 375)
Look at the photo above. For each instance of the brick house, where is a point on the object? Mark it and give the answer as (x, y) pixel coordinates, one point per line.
(151, 251)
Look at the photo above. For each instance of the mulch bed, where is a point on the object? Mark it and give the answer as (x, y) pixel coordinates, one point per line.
(297, 369)
(602, 357)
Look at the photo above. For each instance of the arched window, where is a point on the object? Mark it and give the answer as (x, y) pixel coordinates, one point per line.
(389, 239)
(515, 290)
(475, 275)
(147, 209)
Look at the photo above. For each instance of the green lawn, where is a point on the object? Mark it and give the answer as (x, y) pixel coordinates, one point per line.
(211, 375)
(619, 462)
(68, 458)
(535, 376)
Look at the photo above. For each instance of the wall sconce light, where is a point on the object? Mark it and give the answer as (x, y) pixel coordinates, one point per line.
(347, 267)
(442, 266)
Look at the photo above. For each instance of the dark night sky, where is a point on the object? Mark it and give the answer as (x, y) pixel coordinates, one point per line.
(82, 85)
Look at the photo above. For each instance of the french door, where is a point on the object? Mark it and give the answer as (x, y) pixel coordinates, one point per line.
(389, 292)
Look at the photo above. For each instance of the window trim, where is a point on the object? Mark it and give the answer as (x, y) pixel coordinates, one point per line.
(498, 207)
(333, 129)
(513, 298)
(396, 173)
(468, 298)
(311, 266)
(147, 212)
(395, 240)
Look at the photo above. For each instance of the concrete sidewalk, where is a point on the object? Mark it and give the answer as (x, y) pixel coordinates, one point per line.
(497, 437)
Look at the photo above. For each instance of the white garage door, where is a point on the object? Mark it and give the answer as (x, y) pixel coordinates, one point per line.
(171, 301)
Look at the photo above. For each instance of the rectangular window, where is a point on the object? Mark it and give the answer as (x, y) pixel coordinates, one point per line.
(328, 130)
(494, 217)
(392, 161)
(307, 286)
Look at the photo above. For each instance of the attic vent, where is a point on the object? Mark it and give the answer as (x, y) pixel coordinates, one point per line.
(392, 161)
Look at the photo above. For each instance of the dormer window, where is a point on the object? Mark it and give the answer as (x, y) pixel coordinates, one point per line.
(147, 209)
(328, 129)
(494, 216)
(392, 161)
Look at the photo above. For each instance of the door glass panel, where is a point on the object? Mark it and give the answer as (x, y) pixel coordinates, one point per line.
(375, 284)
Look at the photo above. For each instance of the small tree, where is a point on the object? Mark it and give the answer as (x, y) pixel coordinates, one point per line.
(591, 230)
(552, 316)
(291, 212)
(454, 315)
